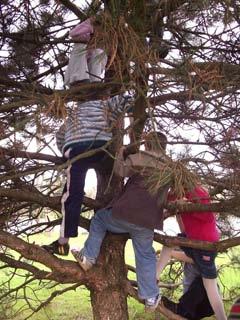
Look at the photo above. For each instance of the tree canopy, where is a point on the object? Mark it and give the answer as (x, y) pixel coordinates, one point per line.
(180, 60)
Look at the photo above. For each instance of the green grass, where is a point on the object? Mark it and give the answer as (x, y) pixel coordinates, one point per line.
(75, 305)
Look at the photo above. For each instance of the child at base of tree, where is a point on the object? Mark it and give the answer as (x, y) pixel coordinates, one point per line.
(86, 63)
(198, 226)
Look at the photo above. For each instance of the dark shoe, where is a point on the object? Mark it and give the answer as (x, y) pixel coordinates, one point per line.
(83, 261)
(152, 303)
(168, 304)
(56, 248)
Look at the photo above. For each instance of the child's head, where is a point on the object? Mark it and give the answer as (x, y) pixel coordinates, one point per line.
(155, 141)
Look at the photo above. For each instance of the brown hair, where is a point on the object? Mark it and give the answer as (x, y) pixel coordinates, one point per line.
(155, 141)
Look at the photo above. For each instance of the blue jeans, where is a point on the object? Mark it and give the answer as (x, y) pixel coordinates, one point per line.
(204, 260)
(142, 239)
(73, 191)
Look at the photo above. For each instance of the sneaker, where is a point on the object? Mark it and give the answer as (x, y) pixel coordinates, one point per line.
(56, 248)
(168, 304)
(84, 263)
(152, 303)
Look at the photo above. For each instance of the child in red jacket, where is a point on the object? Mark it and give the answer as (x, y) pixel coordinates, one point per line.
(198, 226)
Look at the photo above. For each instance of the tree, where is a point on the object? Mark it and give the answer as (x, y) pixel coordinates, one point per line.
(179, 58)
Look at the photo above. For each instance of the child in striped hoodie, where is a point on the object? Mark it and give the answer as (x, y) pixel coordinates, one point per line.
(87, 127)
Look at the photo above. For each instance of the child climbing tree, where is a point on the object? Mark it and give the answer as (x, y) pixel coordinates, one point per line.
(179, 61)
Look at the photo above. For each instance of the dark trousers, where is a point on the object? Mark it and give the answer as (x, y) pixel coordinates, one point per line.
(73, 191)
(194, 304)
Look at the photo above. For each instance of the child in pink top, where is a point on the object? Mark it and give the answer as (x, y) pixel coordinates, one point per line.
(85, 64)
(198, 226)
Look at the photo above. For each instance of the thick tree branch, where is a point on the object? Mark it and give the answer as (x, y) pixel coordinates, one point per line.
(18, 264)
(63, 271)
(219, 246)
(15, 153)
(72, 7)
(208, 75)
(133, 293)
(221, 206)
(45, 201)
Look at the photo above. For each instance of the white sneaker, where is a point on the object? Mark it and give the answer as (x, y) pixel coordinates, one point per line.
(152, 303)
(84, 263)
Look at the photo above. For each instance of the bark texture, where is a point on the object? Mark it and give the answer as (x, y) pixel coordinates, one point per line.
(109, 299)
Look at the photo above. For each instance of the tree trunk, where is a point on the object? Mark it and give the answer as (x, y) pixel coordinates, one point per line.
(108, 292)
(110, 304)
(109, 301)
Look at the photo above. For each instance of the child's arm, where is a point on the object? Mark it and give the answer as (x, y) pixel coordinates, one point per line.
(120, 104)
(83, 31)
(122, 167)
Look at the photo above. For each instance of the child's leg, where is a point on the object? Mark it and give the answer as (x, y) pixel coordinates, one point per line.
(214, 298)
(72, 198)
(163, 260)
(194, 303)
(96, 64)
(181, 256)
(165, 256)
(190, 273)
